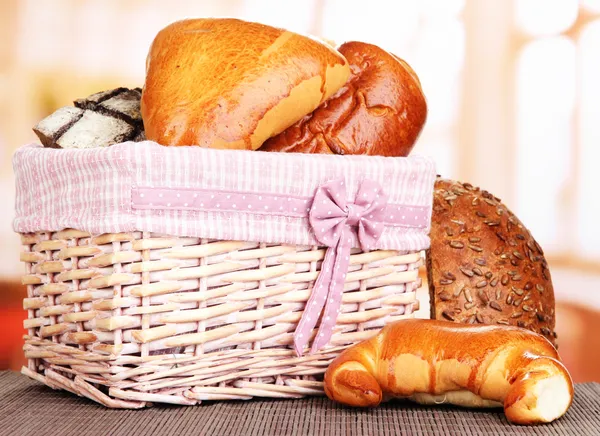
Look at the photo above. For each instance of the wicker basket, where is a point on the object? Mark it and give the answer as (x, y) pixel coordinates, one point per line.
(135, 317)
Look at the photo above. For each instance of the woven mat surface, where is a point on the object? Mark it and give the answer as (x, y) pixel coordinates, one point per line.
(29, 408)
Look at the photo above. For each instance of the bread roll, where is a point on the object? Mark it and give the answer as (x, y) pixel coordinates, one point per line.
(434, 362)
(227, 83)
(381, 110)
(483, 266)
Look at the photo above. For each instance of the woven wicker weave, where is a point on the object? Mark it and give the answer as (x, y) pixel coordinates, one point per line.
(131, 319)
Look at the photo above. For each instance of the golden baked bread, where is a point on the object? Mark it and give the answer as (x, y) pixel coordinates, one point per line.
(381, 110)
(483, 266)
(227, 83)
(434, 362)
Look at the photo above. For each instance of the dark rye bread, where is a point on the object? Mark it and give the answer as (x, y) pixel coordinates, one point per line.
(90, 102)
(54, 126)
(484, 267)
(95, 129)
(119, 103)
(99, 120)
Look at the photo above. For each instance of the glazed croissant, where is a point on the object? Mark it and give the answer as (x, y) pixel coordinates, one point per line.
(433, 362)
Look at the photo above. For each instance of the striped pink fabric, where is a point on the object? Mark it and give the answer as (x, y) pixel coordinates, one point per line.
(93, 190)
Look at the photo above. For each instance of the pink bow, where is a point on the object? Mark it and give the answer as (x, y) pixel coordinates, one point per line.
(336, 223)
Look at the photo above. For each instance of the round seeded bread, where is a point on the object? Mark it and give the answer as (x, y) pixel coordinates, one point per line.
(483, 265)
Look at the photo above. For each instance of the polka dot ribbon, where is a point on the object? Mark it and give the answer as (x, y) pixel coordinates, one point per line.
(335, 223)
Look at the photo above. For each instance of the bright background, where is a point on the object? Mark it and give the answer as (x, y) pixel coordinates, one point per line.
(513, 88)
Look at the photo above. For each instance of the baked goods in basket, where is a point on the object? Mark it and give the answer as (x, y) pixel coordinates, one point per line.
(436, 362)
(281, 92)
(380, 110)
(226, 83)
(484, 266)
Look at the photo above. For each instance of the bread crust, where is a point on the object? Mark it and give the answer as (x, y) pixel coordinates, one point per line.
(431, 361)
(381, 110)
(484, 266)
(228, 83)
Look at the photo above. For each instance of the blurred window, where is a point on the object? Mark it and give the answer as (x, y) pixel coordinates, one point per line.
(587, 178)
(546, 17)
(545, 103)
(557, 128)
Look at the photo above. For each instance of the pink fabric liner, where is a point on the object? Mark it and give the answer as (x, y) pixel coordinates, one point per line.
(97, 190)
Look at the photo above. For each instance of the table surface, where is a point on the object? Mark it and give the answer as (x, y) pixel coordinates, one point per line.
(29, 408)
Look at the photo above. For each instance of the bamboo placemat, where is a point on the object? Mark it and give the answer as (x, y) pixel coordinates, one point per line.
(29, 408)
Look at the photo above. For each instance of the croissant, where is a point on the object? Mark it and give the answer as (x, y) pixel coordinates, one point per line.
(433, 362)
